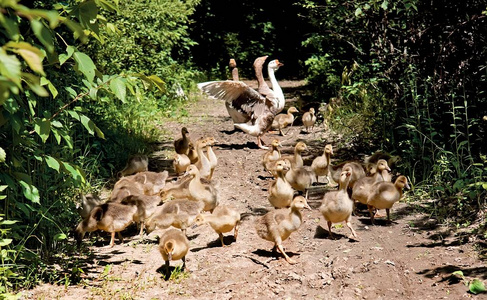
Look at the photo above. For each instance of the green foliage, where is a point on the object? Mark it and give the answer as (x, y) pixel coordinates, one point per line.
(62, 127)
(417, 91)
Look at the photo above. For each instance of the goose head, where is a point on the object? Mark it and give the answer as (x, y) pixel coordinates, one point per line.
(292, 109)
(192, 170)
(382, 165)
(300, 147)
(329, 149)
(184, 131)
(276, 143)
(210, 141)
(283, 165)
(275, 65)
(402, 182)
(169, 249)
(300, 202)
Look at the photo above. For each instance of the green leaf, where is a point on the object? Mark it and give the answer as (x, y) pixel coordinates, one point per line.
(384, 5)
(117, 85)
(108, 5)
(85, 65)
(33, 56)
(8, 222)
(3, 187)
(3, 156)
(34, 84)
(42, 128)
(458, 273)
(5, 242)
(10, 26)
(50, 86)
(60, 237)
(99, 133)
(88, 124)
(43, 34)
(74, 172)
(476, 286)
(52, 163)
(87, 13)
(10, 67)
(30, 192)
(64, 57)
(157, 82)
(358, 12)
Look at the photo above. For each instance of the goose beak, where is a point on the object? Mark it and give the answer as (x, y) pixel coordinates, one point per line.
(407, 186)
(169, 256)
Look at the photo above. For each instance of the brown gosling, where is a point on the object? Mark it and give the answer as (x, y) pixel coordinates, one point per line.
(179, 213)
(337, 205)
(357, 172)
(309, 119)
(201, 192)
(210, 141)
(277, 225)
(300, 178)
(203, 163)
(151, 182)
(181, 145)
(173, 245)
(181, 163)
(146, 206)
(320, 163)
(136, 163)
(271, 156)
(385, 194)
(88, 202)
(223, 219)
(296, 159)
(192, 154)
(281, 193)
(362, 188)
(110, 217)
(283, 120)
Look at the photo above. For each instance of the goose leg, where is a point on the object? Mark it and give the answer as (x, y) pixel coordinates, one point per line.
(371, 208)
(349, 225)
(329, 231)
(168, 275)
(259, 143)
(288, 259)
(388, 215)
(221, 239)
(235, 231)
(141, 233)
(112, 240)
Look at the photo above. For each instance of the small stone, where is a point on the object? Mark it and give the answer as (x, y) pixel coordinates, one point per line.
(390, 262)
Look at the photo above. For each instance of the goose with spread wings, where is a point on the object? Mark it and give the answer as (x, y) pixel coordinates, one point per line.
(244, 104)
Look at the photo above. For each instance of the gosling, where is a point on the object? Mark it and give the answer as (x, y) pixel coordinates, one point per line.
(223, 219)
(277, 225)
(173, 245)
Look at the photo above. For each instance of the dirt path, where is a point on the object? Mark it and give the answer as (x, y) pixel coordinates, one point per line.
(410, 259)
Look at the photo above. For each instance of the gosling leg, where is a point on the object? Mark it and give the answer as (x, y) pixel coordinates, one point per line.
(329, 231)
(349, 225)
(235, 231)
(288, 259)
(371, 208)
(221, 239)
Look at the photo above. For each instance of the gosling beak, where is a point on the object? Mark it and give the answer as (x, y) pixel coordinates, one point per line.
(169, 256)
(407, 186)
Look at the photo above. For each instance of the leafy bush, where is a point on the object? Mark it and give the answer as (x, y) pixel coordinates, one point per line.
(417, 90)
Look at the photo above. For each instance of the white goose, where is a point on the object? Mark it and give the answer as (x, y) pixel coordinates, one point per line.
(245, 104)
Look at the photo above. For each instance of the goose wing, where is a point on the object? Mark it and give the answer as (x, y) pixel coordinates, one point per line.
(238, 94)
